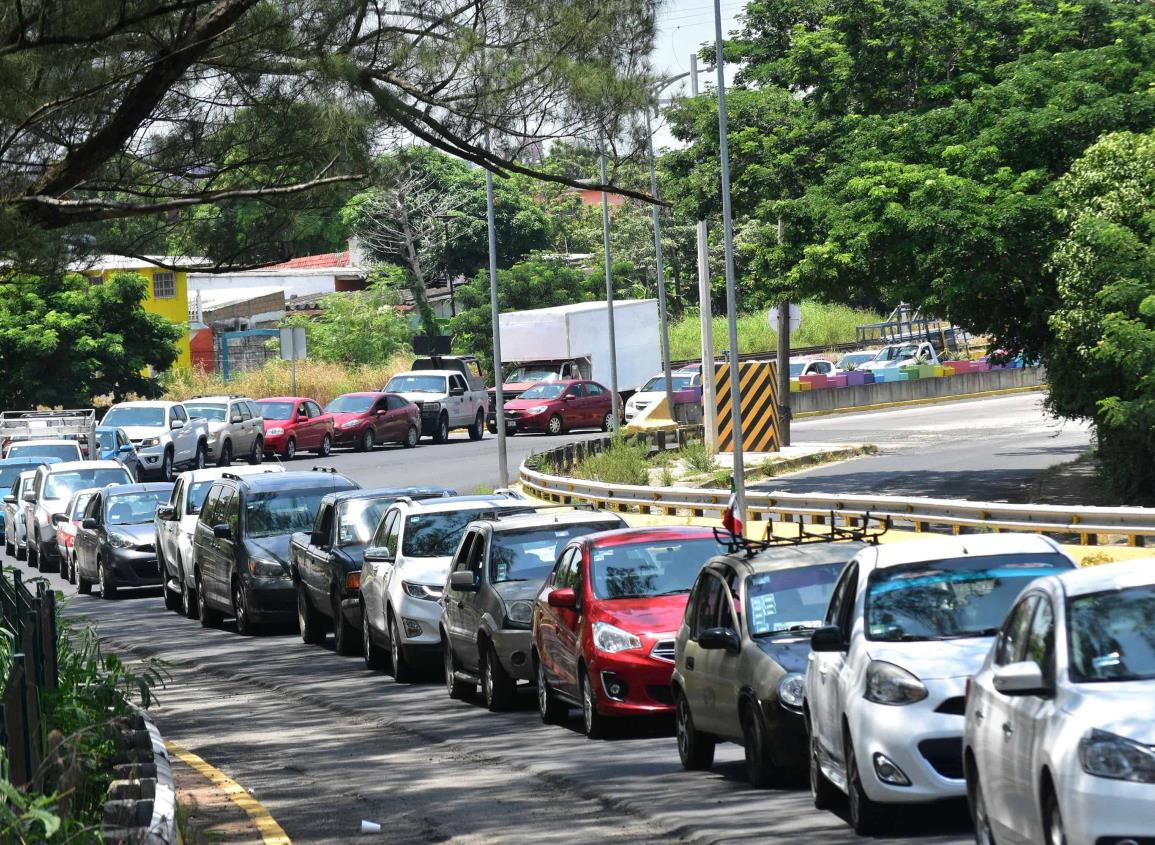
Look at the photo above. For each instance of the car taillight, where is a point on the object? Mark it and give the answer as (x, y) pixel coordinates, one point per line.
(353, 581)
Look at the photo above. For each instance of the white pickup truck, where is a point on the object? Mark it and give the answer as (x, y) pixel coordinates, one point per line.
(902, 355)
(164, 434)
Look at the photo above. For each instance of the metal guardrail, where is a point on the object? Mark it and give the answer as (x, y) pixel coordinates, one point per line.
(1087, 524)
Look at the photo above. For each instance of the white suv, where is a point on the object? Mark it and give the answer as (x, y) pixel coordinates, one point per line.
(406, 565)
(175, 524)
(885, 687)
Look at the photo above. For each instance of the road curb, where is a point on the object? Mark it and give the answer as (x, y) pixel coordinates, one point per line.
(911, 403)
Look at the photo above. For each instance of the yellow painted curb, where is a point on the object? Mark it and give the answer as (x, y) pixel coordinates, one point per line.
(271, 832)
(933, 400)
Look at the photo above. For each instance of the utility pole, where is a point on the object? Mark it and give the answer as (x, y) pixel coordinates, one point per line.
(499, 400)
(731, 286)
(661, 278)
(617, 400)
(783, 364)
(705, 314)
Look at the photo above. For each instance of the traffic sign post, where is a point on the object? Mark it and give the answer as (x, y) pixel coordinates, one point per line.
(293, 348)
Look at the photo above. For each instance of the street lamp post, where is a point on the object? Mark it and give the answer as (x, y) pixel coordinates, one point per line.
(705, 314)
(614, 397)
(499, 396)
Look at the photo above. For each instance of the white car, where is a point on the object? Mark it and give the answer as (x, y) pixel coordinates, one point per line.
(51, 490)
(907, 625)
(812, 367)
(165, 434)
(654, 390)
(1060, 720)
(15, 532)
(404, 573)
(175, 524)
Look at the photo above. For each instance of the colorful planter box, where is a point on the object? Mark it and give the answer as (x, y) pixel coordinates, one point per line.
(924, 370)
(815, 382)
(837, 381)
(939, 371)
(980, 366)
(795, 387)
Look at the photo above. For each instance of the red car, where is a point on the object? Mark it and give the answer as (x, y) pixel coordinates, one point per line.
(556, 407)
(295, 424)
(605, 621)
(363, 420)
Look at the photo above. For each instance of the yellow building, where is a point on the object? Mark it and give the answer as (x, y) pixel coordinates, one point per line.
(166, 293)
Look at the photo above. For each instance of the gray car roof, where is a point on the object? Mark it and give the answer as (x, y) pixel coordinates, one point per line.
(792, 556)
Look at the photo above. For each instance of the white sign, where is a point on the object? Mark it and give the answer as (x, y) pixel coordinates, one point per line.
(293, 343)
(795, 318)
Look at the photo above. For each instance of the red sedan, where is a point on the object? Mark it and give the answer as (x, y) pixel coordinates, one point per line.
(363, 420)
(556, 407)
(604, 623)
(295, 424)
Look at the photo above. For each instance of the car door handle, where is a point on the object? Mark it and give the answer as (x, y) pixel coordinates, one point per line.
(979, 715)
(1007, 729)
(689, 663)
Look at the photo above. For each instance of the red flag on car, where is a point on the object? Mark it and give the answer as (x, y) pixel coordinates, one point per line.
(730, 518)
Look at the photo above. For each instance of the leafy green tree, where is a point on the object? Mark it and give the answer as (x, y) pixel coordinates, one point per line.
(65, 340)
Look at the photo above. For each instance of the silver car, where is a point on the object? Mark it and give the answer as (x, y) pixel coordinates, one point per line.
(236, 428)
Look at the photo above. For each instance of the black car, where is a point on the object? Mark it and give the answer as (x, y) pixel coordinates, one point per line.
(115, 543)
(241, 543)
(325, 564)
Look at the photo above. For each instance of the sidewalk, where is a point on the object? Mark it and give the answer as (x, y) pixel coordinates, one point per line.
(206, 813)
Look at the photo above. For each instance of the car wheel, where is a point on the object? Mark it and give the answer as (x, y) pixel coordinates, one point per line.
(257, 454)
(107, 588)
(244, 621)
(608, 421)
(188, 598)
(309, 621)
(202, 456)
(72, 567)
(555, 425)
(63, 566)
(344, 634)
(367, 441)
(402, 666)
(22, 553)
(477, 430)
(9, 549)
(552, 711)
(172, 599)
(83, 585)
(326, 446)
(411, 437)
(33, 556)
(456, 687)
(138, 474)
(500, 690)
(593, 722)
(166, 466)
(822, 791)
(290, 450)
(759, 765)
(695, 749)
(226, 458)
(982, 822)
(865, 814)
(492, 427)
(209, 618)
(376, 658)
(1053, 820)
(442, 432)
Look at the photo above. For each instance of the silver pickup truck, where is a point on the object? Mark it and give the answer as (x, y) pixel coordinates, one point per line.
(164, 434)
(449, 391)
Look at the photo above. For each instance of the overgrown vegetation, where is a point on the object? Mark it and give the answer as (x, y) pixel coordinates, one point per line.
(625, 461)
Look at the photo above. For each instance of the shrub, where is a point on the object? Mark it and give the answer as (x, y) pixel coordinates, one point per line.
(698, 458)
(625, 461)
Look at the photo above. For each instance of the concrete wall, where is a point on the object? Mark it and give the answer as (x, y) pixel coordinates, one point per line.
(831, 399)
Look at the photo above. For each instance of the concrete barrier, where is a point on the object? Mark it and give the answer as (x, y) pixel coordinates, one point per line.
(885, 393)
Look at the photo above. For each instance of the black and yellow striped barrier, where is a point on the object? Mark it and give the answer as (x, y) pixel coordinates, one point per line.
(758, 387)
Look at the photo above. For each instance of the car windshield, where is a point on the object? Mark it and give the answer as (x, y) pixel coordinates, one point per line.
(271, 513)
(437, 534)
(106, 440)
(416, 384)
(789, 599)
(357, 520)
(61, 485)
(64, 451)
(658, 383)
(651, 568)
(210, 411)
(532, 374)
(796, 370)
(950, 599)
(276, 410)
(855, 358)
(134, 508)
(529, 555)
(1111, 635)
(134, 416)
(8, 473)
(350, 404)
(544, 391)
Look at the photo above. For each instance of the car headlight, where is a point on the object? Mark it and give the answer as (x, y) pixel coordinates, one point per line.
(790, 690)
(612, 639)
(120, 541)
(275, 430)
(263, 568)
(520, 613)
(430, 405)
(149, 442)
(890, 684)
(425, 592)
(537, 409)
(1107, 755)
(351, 423)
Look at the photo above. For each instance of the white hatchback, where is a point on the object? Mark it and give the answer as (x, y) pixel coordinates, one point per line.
(1060, 720)
(907, 625)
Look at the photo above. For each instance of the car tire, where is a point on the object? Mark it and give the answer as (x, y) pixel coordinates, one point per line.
(209, 617)
(403, 670)
(9, 549)
(695, 749)
(499, 689)
(759, 763)
(107, 589)
(64, 566)
(412, 436)
(865, 814)
(594, 724)
(1053, 831)
(376, 658)
(367, 441)
(166, 466)
(441, 434)
(477, 430)
(32, 557)
(83, 585)
(171, 596)
(309, 621)
(290, 450)
(344, 635)
(608, 421)
(326, 446)
(244, 622)
(138, 474)
(226, 458)
(555, 426)
(202, 456)
(21, 553)
(552, 711)
(257, 454)
(823, 793)
(188, 597)
(492, 427)
(456, 687)
(984, 835)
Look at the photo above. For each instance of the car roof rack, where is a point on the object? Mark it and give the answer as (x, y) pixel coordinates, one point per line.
(864, 534)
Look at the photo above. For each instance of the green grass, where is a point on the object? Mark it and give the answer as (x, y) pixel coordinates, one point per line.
(822, 325)
(698, 458)
(624, 462)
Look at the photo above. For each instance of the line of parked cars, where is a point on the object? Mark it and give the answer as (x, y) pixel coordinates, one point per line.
(985, 666)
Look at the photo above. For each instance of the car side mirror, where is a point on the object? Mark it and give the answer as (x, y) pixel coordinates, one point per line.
(722, 639)
(166, 513)
(10, 499)
(89, 522)
(175, 424)
(59, 518)
(457, 391)
(302, 416)
(222, 532)
(378, 554)
(381, 412)
(463, 581)
(827, 639)
(568, 397)
(1024, 678)
(126, 449)
(30, 497)
(563, 598)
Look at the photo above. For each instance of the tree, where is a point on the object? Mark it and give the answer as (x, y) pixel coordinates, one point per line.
(65, 341)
